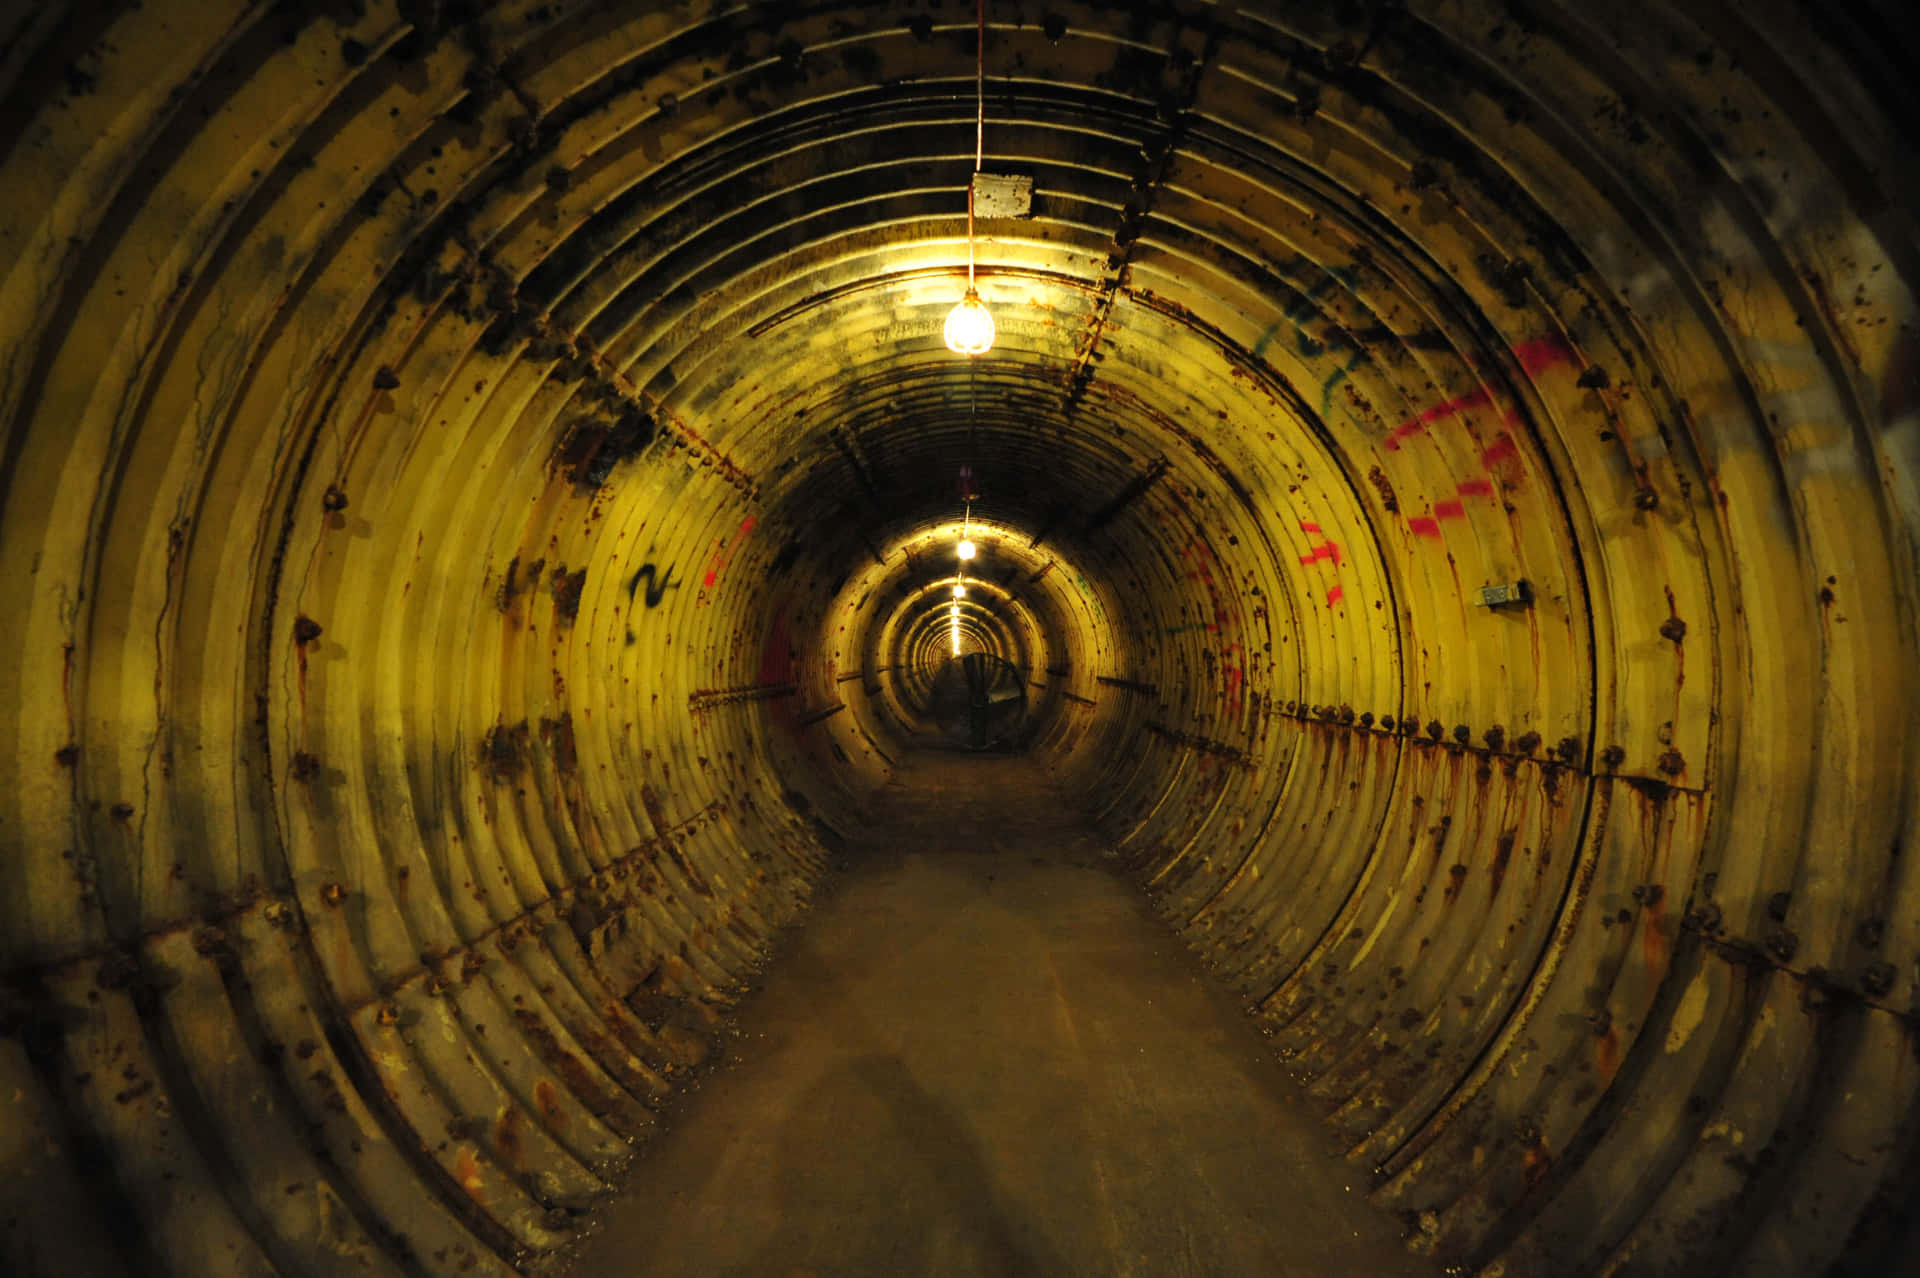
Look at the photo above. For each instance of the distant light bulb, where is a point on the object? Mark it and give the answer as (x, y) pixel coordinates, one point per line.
(966, 550)
(970, 326)
(959, 592)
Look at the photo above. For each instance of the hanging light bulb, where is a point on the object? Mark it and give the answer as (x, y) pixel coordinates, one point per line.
(959, 592)
(970, 326)
(966, 550)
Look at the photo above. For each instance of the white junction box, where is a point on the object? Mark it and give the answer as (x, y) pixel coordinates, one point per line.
(1002, 195)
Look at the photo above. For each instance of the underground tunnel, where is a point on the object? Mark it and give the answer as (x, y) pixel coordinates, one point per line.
(481, 503)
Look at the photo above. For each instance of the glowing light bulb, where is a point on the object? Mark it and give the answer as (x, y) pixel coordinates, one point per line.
(966, 550)
(970, 326)
(959, 592)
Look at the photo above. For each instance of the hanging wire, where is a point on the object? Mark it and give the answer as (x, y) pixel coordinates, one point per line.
(979, 124)
(973, 395)
(980, 86)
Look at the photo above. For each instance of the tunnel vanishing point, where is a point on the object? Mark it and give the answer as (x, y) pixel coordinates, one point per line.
(479, 497)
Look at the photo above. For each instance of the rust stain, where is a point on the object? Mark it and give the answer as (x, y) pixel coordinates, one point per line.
(1607, 1056)
(506, 1138)
(466, 1169)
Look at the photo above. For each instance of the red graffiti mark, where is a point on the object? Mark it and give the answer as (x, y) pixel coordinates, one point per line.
(1316, 554)
(776, 655)
(1542, 353)
(778, 664)
(1475, 487)
(1335, 594)
(1452, 508)
(1451, 408)
(1200, 555)
(723, 556)
(1533, 356)
(1501, 449)
(1308, 526)
(1424, 526)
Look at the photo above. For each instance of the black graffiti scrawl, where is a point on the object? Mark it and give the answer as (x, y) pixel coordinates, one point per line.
(658, 584)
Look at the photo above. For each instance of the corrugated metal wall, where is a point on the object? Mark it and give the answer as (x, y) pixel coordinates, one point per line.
(479, 487)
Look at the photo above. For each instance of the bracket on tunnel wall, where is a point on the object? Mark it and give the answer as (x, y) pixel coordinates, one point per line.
(1515, 594)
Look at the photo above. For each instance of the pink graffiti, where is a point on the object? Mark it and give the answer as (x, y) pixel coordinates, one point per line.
(1335, 594)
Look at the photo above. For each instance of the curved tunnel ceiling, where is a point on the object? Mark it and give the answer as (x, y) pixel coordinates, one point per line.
(468, 468)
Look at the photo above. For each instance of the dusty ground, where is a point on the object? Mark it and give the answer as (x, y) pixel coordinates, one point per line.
(981, 1055)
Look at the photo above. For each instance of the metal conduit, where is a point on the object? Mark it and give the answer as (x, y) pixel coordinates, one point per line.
(479, 478)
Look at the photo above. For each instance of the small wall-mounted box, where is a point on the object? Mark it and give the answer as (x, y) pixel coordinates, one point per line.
(1511, 594)
(1002, 195)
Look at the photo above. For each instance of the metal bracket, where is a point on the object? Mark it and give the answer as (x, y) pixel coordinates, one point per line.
(1507, 594)
(1002, 195)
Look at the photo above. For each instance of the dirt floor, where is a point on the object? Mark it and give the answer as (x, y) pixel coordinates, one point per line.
(981, 1054)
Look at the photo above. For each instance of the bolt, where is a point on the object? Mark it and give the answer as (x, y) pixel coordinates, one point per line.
(1704, 917)
(1777, 905)
(1673, 628)
(1496, 736)
(1435, 730)
(305, 629)
(1673, 763)
(334, 499)
(1568, 749)
(1877, 979)
(386, 379)
(1613, 756)
(1783, 943)
(1644, 498)
(333, 893)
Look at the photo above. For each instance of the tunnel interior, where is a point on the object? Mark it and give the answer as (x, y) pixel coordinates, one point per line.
(481, 497)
